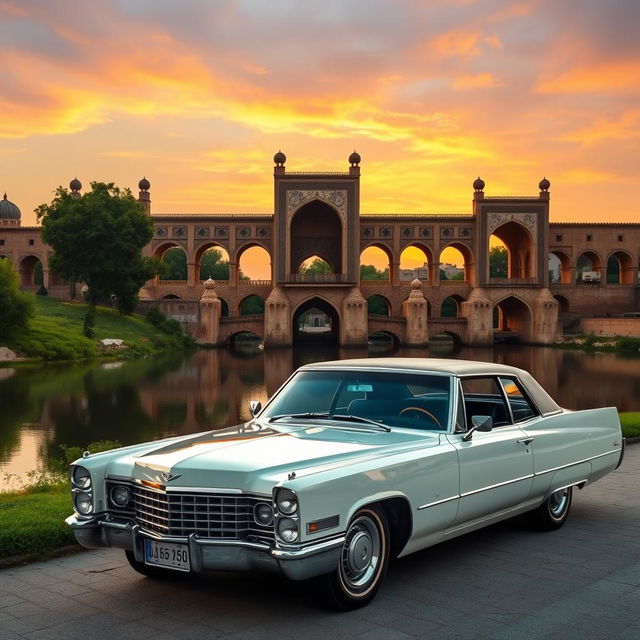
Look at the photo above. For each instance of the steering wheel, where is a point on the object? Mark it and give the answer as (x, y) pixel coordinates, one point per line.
(421, 410)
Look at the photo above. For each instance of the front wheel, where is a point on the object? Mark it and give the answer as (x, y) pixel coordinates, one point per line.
(363, 561)
(553, 512)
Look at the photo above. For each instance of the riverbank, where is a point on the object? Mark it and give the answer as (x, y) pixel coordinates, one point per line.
(623, 345)
(55, 333)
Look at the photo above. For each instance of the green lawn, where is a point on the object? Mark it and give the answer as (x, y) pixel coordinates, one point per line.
(55, 333)
(630, 422)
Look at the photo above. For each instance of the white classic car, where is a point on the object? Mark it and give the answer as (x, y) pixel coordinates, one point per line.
(349, 463)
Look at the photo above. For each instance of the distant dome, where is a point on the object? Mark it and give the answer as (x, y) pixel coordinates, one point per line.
(280, 158)
(8, 210)
(144, 185)
(75, 185)
(355, 158)
(544, 184)
(478, 184)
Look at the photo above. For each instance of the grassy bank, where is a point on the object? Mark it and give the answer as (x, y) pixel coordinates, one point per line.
(32, 520)
(623, 345)
(55, 333)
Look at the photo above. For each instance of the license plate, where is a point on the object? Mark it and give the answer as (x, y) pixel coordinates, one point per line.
(167, 554)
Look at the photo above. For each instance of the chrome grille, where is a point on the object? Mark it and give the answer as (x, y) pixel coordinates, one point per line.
(209, 515)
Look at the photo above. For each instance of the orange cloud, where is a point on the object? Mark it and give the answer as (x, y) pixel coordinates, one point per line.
(625, 127)
(477, 81)
(620, 75)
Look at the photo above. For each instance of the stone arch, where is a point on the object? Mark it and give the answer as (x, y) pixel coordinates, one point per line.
(176, 268)
(30, 269)
(521, 250)
(244, 341)
(376, 304)
(423, 273)
(388, 252)
(564, 275)
(251, 305)
(330, 336)
(225, 274)
(455, 337)
(450, 307)
(381, 339)
(316, 228)
(224, 307)
(563, 304)
(467, 256)
(620, 268)
(171, 296)
(254, 245)
(589, 261)
(514, 319)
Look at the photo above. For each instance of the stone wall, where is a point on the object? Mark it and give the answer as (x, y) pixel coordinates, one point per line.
(612, 326)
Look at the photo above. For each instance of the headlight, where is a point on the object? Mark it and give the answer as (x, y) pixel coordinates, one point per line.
(120, 496)
(287, 529)
(83, 503)
(263, 514)
(81, 478)
(287, 502)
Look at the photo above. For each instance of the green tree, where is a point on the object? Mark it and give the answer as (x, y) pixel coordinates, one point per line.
(377, 305)
(97, 239)
(16, 307)
(498, 262)
(317, 266)
(369, 272)
(214, 266)
(252, 305)
(174, 264)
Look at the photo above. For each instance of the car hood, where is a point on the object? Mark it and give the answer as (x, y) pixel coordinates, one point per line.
(255, 457)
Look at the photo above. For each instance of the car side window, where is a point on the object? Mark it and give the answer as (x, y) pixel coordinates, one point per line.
(483, 397)
(521, 407)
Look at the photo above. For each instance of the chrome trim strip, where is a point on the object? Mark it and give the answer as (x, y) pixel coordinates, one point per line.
(495, 486)
(174, 489)
(433, 504)
(571, 464)
(310, 550)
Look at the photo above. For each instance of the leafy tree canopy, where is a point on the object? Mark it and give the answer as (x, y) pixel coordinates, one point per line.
(498, 262)
(97, 239)
(16, 307)
(369, 272)
(317, 266)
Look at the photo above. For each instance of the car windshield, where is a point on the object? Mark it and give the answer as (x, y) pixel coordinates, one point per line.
(413, 400)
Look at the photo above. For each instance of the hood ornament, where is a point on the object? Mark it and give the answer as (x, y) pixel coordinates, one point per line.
(168, 476)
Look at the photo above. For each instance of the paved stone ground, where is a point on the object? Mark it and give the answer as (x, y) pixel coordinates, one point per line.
(504, 582)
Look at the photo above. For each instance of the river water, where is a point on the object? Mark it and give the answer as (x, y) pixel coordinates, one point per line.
(44, 407)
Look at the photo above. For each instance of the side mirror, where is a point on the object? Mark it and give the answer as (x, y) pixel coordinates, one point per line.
(478, 423)
(255, 406)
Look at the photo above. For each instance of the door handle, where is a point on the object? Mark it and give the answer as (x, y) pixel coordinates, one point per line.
(526, 441)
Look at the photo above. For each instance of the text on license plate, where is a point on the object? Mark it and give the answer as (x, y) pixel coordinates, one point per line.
(167, 554)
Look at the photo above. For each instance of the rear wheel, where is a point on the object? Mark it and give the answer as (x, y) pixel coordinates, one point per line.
(150, 572)
(553, 512)
(363, 561)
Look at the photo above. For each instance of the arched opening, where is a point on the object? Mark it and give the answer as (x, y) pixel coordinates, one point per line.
(520, 248)
(512, 321)
(30, 272)
(382, 342)
(173, 263)
(415, 262)
(252, 306)
(315, 268)
(563, 304)
(254, 264)
(316, 230)
(589, 268)
(375, 264)
(224, 308)
(378, 305)
(451, 307)
(620, 268)
(245, 343)
(444, 342)
(316, 322)
(498, 258)
(213, 262)
(559, 266)
(171, 296)
(455, 262)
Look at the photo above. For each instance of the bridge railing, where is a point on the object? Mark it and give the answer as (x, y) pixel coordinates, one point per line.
(512, 281)
(248, 318)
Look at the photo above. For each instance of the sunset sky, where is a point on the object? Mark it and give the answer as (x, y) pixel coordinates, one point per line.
(198, 95)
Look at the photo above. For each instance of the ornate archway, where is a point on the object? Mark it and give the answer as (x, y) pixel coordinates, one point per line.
(316, 321)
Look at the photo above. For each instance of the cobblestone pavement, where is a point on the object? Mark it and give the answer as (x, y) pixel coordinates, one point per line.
(504, 582)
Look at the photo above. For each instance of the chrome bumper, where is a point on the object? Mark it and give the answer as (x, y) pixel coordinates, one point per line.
(298, 563)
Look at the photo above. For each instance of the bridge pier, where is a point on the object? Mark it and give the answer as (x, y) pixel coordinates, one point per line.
(479, 314)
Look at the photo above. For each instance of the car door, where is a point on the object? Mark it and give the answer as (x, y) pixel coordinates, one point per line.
(496, 467)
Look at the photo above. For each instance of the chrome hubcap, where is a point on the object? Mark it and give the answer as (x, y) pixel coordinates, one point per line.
(360, 554)
(558, 502)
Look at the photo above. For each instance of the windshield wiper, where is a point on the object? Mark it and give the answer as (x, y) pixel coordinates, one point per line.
(296, 416)
(352, 418)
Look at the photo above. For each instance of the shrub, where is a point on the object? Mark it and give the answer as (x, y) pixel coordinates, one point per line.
(16, 307)
(155, 317)
(628, 345)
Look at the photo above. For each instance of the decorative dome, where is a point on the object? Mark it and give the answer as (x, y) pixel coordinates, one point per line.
(144, 185)
(544, 184)
(280, 158)
(75, 185)
(355, 158)
(478, 184)
(416, 284)
(8, 210)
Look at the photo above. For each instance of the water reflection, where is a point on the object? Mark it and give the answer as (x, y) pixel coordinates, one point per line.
(42, 408)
